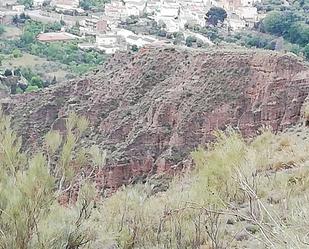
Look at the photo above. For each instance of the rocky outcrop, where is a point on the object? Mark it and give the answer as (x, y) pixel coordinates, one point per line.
(150, 109)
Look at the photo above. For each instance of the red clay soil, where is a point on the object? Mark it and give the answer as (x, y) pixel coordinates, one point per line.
(152, 108)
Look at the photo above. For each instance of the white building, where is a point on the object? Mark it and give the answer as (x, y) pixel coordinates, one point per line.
(172, 25)
(93, 25)
(192, 15)
(107, 39)
(65, 4)
(247, 13)
(123, 32)
(241, 13)
(18, 8)
(6, 3)
(132, 10)
(120, 40)
(247, 3)
(170, 3)
(169, 12)
(235, 22)
(153, 6)
(109, 49)
(196, 3)
(115, 12)
(38, 3)
(169, 16)
(110, 43)
(135, 7)
(200, 37)
(139, 41)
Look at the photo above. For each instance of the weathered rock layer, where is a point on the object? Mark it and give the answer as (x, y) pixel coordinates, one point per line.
(152, 108)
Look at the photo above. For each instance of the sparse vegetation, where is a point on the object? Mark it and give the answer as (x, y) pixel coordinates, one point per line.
(286, 23)
(233, 183)
(67, 53)
(31, 216)
(26, 81)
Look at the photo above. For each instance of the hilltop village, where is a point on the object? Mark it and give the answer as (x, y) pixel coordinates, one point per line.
(109, 26)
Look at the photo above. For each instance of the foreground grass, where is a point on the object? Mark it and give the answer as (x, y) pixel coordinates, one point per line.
(240, 194)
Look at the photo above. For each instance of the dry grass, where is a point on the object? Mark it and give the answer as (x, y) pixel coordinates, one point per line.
(27, 60)
(11, 32)
(36, 64)
(261, 185)
(231, 175)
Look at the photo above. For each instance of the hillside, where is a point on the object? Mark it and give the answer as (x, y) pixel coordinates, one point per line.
(151, 109)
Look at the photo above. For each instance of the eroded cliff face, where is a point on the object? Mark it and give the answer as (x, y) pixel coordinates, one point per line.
(152, 108)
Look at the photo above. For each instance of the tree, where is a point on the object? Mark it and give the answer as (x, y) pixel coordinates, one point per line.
(22, 18)
(16, 53)
(216, 14)
(36, 81)
(279, 44)
(298, 33)
(85, 4)
(162, 33)
(27, 38)
(8, 72)
(54, 80)
(190, 40)
(134, 48)
(279, 22)
(32, 89)
(90, 4)
(15, 19)
(27, 3)
(306, 51)
(56, 26)
(178, 37)
(17, 72)
(2, 29)
(131, 20)
(89, 57)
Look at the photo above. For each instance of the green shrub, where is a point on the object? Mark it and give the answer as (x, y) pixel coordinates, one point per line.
(306, 51)
(215, 15)
(19, 90)
(30, 186)
(2, 30)
(190, 40)
(36, 81)
(32, 88)
(17, 53)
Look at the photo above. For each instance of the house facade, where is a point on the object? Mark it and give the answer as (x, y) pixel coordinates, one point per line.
(110, 43)
(66, 5)
(135, 7)
(152, 6)
(93, 25)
